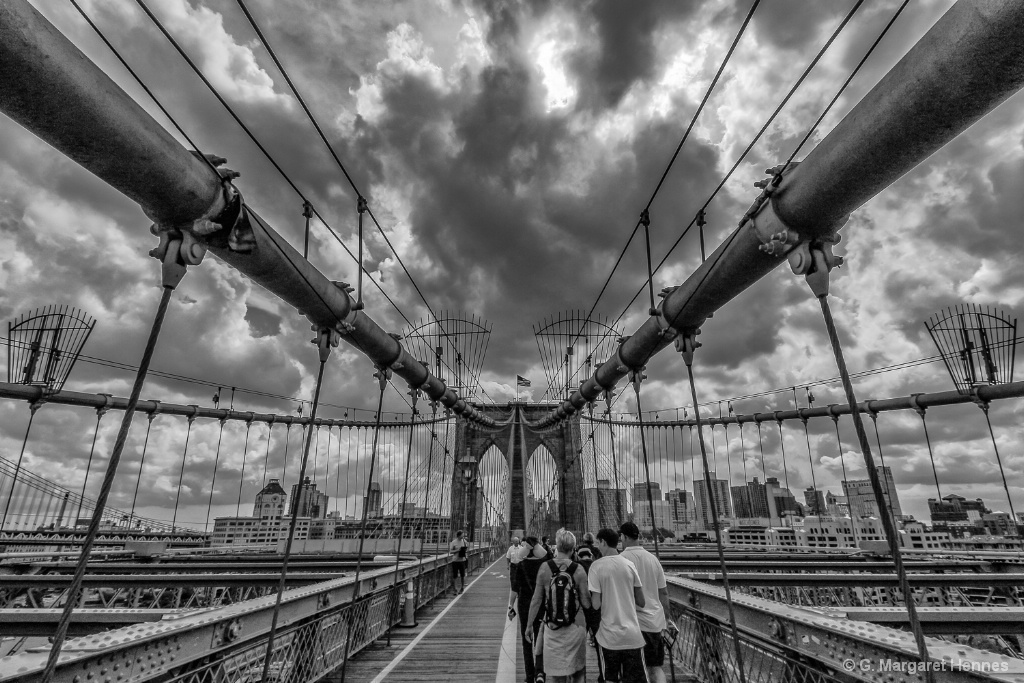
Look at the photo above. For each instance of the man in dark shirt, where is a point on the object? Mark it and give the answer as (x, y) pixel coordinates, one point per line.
(458, 548)
(523, 585)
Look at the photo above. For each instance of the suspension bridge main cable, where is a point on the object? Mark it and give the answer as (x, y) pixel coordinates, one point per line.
(664, 175)
(252, 137)
(195, 68)
(764, 128)
(341, 166)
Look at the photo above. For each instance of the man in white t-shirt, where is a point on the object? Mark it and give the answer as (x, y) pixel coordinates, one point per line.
(617, 591)
(652, 616)
(514, 556)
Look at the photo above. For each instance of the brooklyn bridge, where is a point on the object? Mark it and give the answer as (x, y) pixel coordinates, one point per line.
(237, 458)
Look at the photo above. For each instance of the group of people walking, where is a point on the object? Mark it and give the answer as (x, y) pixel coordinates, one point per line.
(570, 594)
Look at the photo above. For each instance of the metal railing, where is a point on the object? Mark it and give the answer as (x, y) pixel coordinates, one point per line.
(787, 644)
(228, 644)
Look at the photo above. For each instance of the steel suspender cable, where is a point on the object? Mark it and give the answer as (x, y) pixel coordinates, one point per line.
(382, 380)
(213, 483)
(255, 141)
(637, 378)
(361, 200)
(100, 412)
(142, 462)
(810, 462)
(716, 525)
(1009, 500)
(750, 146)
(679, 147)
(266, 458)
(324, 352)
(782, 445)
(819, 285)
(17, 469)
(743, 455)
(172, 274)
(426, 491)
(181, 473)
(241, 476)
(284, 465)
(928, 440)
(405, 498)
(878, 437)
(842, 461)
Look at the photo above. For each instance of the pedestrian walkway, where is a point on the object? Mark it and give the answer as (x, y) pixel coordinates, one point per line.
(467, 637)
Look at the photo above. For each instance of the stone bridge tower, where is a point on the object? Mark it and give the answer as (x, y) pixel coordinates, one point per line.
(518, 442)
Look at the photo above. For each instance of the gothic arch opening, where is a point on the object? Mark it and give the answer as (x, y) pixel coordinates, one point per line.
(542, 512)
(493, 495)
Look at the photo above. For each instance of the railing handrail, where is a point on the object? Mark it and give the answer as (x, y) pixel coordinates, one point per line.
(182, 638)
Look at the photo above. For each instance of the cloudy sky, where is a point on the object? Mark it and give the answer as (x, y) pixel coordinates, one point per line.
(507, 149)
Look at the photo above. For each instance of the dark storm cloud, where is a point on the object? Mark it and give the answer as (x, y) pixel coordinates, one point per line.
(624, 51)
(262, 323)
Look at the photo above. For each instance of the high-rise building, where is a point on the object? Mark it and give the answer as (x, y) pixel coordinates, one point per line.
(308, 501)
(781, 501)
(372, 506)
(760, 506)
(640, 492)
(723, 504)
(604, 506)
(741, 504)
(662, 515)
(861, 498)
(815, 501)
(681, 503)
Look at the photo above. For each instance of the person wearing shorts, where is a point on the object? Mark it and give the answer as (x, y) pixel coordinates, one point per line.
(459, 547)
(617, 591)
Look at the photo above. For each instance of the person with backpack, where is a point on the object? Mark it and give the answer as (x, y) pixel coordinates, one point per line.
(559, 599)
(524, 584)
(587, 553)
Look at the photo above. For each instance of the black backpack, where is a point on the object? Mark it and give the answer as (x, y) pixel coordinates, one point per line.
(562, 601)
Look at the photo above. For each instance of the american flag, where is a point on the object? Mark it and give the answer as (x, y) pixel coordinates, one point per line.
(522, 381)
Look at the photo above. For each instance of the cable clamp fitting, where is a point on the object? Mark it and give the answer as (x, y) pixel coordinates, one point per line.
(382, 376)
(814, 262)
(978, 400)
(686, 343)
(108, 400)
(636, 377)
(326, 339)
(918, 408)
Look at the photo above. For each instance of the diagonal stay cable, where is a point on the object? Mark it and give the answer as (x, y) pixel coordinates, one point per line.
(764, 128)
(177, 46)
(664, 175)
(330, 148)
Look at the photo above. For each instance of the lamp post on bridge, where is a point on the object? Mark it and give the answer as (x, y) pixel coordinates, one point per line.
(469, 478)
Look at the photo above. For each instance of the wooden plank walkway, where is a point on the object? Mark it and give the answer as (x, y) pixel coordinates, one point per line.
(467, 637)
(457, 639)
